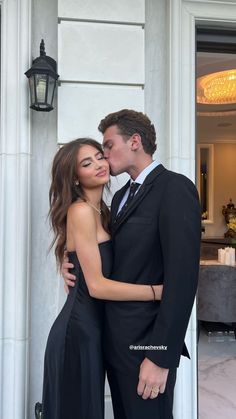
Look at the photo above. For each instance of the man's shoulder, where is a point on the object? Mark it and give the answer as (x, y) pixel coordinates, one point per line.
(173, 183)
(168, 177)
(178, 178)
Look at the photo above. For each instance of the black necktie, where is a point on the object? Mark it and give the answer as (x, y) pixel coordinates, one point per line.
(133, 188)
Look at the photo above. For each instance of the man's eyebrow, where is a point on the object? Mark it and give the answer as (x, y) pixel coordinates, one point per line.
(106, 142)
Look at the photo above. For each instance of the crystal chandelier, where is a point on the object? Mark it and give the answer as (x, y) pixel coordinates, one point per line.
(217, 88)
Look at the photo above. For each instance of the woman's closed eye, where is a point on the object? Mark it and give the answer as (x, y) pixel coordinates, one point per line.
(86, 163)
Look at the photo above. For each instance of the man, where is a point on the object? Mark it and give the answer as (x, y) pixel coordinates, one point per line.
(156, 237)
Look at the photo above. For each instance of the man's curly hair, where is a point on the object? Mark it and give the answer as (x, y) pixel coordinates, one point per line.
(131, 122)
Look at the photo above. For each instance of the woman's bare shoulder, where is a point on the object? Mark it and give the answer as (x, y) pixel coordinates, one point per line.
(80, 211)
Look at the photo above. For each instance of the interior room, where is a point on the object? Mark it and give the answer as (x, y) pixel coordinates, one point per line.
(216, 176)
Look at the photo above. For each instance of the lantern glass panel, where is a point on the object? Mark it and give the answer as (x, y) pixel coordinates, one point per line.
(41, 86)
(51, 88)
(32, 89)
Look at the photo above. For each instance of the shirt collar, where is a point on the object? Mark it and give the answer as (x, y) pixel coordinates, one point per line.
(142, 176)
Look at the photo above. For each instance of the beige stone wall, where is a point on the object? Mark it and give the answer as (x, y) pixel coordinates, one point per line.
(224, 185)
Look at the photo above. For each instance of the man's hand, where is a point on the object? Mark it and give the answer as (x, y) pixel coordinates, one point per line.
(152, 379)
(69, 279)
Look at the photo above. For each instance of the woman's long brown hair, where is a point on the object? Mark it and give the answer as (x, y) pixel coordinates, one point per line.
(63, 192)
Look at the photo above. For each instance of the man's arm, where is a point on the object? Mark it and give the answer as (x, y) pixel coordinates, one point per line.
(69, 279)
(180, 234)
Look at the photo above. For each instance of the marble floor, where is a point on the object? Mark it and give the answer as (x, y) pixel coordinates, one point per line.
(217, 377)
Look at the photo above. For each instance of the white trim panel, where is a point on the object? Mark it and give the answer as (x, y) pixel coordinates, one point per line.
(100, 52)
(81, 107)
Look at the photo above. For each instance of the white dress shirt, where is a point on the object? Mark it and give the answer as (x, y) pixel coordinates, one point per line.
(139, 179)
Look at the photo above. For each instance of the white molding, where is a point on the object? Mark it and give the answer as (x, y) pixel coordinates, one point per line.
(183, 17)
(14, 207)
(112, 10)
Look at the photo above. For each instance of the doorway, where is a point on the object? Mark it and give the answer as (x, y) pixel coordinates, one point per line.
(216, 175)
(184, 16)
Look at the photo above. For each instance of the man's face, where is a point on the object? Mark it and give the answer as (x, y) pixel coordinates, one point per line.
(117, 151)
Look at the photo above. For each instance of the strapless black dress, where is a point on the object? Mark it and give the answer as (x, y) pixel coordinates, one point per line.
(74, 373)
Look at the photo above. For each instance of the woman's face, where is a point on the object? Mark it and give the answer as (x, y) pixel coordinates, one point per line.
(92, 168)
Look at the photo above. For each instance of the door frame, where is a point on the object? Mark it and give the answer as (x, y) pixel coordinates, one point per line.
(184, 16)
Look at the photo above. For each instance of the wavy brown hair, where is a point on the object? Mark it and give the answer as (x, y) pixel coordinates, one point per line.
(63, 192)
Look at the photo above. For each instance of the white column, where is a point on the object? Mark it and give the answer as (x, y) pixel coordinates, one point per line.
(181, 158)
(156, 74)
(14, 208)
(45, 282)
(164, 104)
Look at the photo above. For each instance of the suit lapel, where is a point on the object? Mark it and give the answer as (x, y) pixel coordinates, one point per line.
(142, 192)
(116, 201)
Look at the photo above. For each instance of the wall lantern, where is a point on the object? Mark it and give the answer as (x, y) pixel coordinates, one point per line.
(42, 81)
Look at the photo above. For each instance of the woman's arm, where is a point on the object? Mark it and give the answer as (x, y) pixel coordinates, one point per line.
(83, 223)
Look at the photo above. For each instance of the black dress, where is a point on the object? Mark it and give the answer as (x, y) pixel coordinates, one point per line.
(74, 373)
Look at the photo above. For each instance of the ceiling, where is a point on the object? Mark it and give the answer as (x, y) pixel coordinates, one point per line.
(215, 122)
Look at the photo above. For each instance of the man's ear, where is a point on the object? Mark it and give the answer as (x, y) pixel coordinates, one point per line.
(135, 142)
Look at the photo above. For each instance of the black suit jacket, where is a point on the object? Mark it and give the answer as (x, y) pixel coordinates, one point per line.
(156, 241)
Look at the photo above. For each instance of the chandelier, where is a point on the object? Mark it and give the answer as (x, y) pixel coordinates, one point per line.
(217, 88)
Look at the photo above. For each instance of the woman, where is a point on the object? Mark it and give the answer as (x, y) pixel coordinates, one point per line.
(74, 371)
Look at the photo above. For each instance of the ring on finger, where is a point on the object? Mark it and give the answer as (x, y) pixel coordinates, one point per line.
(153, 395)
(155, 390)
